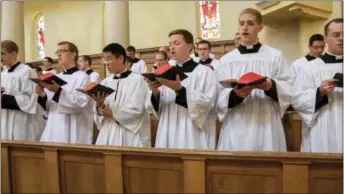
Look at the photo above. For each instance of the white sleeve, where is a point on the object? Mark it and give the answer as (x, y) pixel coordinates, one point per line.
(26, 99)
(95, 77)
(201, 101)
(283, 80)
(131, 113)
(73, 101)
(304, 97)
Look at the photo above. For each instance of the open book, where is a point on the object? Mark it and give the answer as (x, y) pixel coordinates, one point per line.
(248, 79)
(339, 77)
(48, 78)
(165, 71)
(94, 88)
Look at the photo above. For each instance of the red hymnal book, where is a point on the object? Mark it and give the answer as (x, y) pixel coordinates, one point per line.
(248, 79)
(165, 71)
(339, 77)
(94, 88)
(48, 78)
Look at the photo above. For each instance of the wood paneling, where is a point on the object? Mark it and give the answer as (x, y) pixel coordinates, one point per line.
(64, 168)
(219, 48)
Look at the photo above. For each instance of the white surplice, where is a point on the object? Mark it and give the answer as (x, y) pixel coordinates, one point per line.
(130, 124)
(255, 124)
(139, 67)
(299, 63)
(15, 124)
(325, 126)
(187, 128)
(94, 76)
(67, 120)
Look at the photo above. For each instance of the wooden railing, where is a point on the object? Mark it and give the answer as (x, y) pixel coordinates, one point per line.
(28, 167)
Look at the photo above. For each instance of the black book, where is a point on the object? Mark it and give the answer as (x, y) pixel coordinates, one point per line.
(339, 77)
(248, 79)
(48, 78)
(165, 71)
(94, 88)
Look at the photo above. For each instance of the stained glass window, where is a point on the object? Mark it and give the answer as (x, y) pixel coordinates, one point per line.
(209, 19)
(40, 37)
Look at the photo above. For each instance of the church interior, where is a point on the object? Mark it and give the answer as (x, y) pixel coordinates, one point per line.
(36, 167)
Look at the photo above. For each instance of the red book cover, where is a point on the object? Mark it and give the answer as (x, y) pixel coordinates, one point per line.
(48, 78)
(94, 88)
(165, 71)
(248, 79)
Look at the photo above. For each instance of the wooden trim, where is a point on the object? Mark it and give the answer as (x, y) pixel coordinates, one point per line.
(5, 168)
(52, 171)
(113, 173)
(192, 169)
(295, 178)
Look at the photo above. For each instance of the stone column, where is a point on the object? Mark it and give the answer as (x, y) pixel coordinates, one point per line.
(12, 24)
(116, 23)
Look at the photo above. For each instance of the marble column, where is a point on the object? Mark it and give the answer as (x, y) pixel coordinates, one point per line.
(116, 22)
(12, 24)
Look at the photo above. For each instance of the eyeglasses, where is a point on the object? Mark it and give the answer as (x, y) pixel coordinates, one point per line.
(61, 51)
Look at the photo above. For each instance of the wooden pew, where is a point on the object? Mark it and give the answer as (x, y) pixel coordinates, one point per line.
(29, 167)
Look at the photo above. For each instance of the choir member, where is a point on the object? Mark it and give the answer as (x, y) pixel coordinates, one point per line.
(204, 49)
(67, 108)
(139, 65)
(237, 40)
(252, 115)
(316, 48)
(128, 62)
(318, 97)
(121, 116)
(183, 107)
(18, 104)
(48, 63)
(160, 58)
(84, 64)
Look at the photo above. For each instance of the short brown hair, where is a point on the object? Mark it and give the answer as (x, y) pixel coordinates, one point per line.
(336, 20)
(187, 36)
(254, 12)
(10, 46)
(71, 47)
(205, 42)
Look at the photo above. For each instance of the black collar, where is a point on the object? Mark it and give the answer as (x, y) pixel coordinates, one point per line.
(327, 58)
(49, 69)
(245, 50)
(71, 70)
(122, 75)
(206, 62)
(188, 66)
(135, 60)
(13, 67)
(310, 57)
(88, 72)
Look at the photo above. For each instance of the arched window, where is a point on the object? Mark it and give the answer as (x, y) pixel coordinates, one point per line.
(40, 37)
(209, 19)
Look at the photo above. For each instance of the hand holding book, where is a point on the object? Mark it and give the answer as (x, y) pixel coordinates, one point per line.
(97, 92)
(248, 79)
